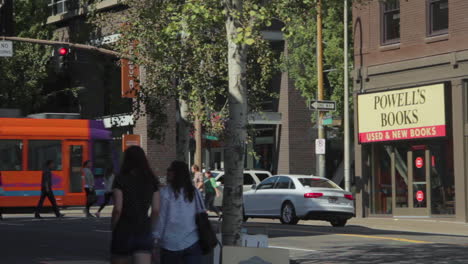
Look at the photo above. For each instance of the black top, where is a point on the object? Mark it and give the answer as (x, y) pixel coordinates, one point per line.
(46, 179)
(138, 193)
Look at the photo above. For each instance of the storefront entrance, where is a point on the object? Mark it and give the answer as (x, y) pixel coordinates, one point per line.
(413, 179)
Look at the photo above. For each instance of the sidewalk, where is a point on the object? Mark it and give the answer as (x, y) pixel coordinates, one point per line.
(447, 226)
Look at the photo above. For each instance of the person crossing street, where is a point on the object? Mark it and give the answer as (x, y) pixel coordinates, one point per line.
(46, 190)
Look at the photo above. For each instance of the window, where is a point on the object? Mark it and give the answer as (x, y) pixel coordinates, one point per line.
(11, 153)
(437, 17)
(58, 7)
(220, 179)
(262, 176)
(42, 150)
(248, 180)
(390, 21)
(267, 184)
(102, 156)
(318, 183)
(284, 183)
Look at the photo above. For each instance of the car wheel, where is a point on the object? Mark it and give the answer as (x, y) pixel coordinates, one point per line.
(338, 222)
(288, 214)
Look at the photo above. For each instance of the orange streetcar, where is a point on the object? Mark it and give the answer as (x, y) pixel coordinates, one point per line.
(26, 144)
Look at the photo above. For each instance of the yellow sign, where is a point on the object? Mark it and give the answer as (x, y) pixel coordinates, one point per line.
(402, 114)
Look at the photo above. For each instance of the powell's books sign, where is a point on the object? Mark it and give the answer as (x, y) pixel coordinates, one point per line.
(413, 113)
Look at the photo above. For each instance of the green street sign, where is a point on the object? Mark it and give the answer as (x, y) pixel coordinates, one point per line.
(211, 137)
(327, 121)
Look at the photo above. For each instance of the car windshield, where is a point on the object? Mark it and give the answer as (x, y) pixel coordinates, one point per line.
(215, 174)
(318, 183)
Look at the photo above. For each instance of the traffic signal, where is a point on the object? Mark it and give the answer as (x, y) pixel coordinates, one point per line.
(6, 18)
(62, 58)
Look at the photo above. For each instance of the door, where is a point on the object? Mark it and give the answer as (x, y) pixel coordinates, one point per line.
(256, 203)
(76, 153)
(411, 181)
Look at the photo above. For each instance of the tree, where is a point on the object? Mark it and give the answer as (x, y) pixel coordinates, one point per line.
(300, 35)
(23, 77)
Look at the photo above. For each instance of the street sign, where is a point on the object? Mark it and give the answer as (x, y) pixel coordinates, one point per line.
(6, 48)
(320, 146)
(420, 196)
(323, 105)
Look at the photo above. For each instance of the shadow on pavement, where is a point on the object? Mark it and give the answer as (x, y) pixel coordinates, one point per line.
(280, 230)
(372, 253)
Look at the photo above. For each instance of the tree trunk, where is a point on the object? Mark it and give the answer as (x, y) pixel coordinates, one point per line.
(236, 130)
(183, 132)
(198, 142)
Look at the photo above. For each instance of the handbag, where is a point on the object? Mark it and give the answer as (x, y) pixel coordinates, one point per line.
(207, 236)
(92, 196)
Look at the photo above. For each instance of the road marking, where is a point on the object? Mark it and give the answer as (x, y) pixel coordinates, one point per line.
(388, 238)
(295, 249)
(356, 235)
(103, 231)
(10, 224)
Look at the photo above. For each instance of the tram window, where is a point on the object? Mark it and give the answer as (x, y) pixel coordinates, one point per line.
(11, 153)
(41, 151)
(102, 155)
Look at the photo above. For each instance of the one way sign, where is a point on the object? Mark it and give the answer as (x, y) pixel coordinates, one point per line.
(323, 105)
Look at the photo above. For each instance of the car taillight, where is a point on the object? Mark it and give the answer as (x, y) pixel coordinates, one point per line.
(313, 195)
(349, 196)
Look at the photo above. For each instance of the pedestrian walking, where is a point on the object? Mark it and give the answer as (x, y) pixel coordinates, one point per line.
(197, 177)
(135, 191)
(211, 192)
(176, 232)
(89, 187)
(46, 190)
(108, 182)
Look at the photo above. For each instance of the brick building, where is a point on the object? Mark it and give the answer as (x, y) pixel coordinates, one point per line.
(410, 87)
(285, 138)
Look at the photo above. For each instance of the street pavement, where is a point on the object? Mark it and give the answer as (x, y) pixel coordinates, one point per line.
(78, 240)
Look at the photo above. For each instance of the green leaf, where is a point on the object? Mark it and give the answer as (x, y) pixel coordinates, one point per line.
(249, 41)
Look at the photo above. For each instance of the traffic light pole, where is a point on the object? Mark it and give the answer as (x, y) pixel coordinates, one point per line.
(347, 142)
(71, 45)
(321, 129)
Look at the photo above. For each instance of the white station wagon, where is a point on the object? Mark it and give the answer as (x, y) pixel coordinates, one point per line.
(299, 197)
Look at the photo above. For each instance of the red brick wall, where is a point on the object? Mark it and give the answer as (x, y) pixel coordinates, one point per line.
(414, 42)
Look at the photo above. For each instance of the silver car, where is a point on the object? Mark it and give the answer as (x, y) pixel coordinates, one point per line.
(299, 197)
(250, 177)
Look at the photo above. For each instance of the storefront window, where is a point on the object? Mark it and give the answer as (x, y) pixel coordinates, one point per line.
(442, 180)
(401, 177)
(381, 190)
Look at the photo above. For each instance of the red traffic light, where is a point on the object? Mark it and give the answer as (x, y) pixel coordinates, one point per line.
(63, 51)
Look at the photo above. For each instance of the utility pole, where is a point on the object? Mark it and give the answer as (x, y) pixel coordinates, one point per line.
(321, 130)
(346, 103)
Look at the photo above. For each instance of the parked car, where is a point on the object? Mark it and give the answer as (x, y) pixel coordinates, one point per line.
(299, 197)
(250, 177)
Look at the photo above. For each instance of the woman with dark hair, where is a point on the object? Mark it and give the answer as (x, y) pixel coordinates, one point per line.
(176, 232)
(108, 182)
(89, 187)
(135, 191)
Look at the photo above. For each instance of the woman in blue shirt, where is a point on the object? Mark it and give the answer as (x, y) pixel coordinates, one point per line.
(176, 231)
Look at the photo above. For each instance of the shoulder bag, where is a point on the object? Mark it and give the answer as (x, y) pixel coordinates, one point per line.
(207, 236)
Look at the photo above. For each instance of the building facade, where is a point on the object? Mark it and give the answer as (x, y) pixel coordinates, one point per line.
(284, 138)
(411, 118)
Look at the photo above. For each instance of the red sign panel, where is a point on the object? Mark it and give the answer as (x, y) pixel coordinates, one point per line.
(419, 162)
(130, 140)
(420, 196)
(402, 134)
(130, 73)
